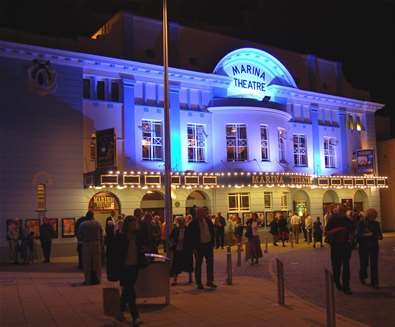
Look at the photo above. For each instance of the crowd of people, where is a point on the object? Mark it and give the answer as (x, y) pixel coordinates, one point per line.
(21, 241)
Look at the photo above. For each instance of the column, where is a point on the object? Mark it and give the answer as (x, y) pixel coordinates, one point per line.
(129, 123)
(316, 140)
(175, 127)
(344, 164)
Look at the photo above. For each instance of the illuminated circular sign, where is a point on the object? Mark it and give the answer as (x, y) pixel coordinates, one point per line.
(251, 72)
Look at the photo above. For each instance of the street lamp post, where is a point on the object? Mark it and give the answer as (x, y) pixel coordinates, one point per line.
(168, 201)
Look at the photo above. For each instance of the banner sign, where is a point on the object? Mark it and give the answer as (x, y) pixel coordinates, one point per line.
(106, 149)
(365, 161)
(281, 179)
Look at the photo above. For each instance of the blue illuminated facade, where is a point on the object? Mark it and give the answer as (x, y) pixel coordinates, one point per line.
(244, 138)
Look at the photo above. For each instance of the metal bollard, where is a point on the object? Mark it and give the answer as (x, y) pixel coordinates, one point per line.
(330, 300)
(238, 255)
(228, 265)
(280, 282)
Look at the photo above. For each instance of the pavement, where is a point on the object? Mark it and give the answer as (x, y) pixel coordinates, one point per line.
(52, 295)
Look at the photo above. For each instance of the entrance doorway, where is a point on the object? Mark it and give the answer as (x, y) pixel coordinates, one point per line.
(329, 200)
(154, 203)
(197, 198)
(102, 204)
(360, 200)
(301, 203)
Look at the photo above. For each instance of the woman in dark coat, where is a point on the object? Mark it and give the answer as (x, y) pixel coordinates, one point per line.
(254, 251)
(274, 230)
(283, 229)
(182, 250)
(126, 257)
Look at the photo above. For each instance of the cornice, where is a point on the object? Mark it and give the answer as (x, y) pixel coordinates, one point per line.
(328, 100)
(107, 64)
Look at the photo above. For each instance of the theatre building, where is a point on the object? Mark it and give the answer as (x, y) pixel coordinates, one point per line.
(253, 128)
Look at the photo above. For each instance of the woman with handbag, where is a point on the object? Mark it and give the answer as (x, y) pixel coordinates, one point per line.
(125, 259)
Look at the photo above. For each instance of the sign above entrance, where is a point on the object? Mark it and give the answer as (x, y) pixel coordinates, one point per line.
(252, 71)
(104, 201)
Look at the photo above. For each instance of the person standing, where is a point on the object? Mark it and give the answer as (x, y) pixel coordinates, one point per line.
(369, 234)
(303, 227)
(295, 225)
(147, 230)
(157, 232)
(47, 233)
(91, 234)
(220, 224)
(254, 251)
(202, 241)
(182, 252)
(239, 232)
(125, 260)
(109, 233)
(317, 232)
(283, 229)
(79, 242)
(13, 235)
(339, 233)
(274, 230)
(309, 228)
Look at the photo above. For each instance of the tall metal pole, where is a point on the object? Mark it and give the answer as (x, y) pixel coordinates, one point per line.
(168, 202)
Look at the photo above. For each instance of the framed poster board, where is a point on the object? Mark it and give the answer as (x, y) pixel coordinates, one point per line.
(365, 161)
(68, 227)
(106, 151)
(54, 223)
(33, 225)
(12, 224)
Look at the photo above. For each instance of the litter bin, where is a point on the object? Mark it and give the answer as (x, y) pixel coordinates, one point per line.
(154, 280)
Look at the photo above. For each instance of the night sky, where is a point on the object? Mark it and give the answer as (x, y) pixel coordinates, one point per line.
(358, 33)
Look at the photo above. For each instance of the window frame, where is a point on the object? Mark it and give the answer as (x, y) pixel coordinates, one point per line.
(265, 143)
(299, 151)
(270, 205)
(152, 139)
(238, 200)
(193, 143)
(237, 142)
(330, 155)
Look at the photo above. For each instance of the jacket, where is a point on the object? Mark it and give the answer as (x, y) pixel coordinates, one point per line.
(339, 230)
(194, 232)
(47, 233)
(117, 253)
(369, 233)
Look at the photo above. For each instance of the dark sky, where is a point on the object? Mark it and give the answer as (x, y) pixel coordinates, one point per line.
(358, 33)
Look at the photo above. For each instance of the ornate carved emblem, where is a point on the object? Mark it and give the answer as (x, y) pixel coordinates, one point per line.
(42, 77)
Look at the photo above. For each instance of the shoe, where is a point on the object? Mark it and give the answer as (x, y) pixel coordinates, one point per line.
(347, 291)
(211, 285)
(375, 286)
(199, 286)
(136, 322)
(339, 286)
(362, 280)
(275, 244)
(314, 246)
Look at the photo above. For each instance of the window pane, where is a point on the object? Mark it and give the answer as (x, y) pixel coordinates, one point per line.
(115, 91)
(100, 90)
(87, 88)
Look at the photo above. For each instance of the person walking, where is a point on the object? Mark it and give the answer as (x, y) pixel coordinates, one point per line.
(91, 235)
(202, 241)
(125, 260)
(239, 232)
(13, 235)
(254, 251)
(317, 232)
(47, 233)
(283, 229)
(79, 241)
(220, 224)
(369, 234)
(309, 228)
(182, 252)
(339, 233)
(274, 230)
(295, 225)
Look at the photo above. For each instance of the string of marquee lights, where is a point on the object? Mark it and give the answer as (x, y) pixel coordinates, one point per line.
(310, 185)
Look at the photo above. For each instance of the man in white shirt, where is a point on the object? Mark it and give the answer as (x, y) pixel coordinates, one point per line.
(295, 223)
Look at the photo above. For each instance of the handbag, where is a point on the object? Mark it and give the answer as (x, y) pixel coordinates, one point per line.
(111, 301)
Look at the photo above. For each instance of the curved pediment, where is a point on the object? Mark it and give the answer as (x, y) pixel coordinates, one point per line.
(252, 71)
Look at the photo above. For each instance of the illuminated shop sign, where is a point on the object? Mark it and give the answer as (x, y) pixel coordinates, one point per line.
(251, 71)
(281, 179)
